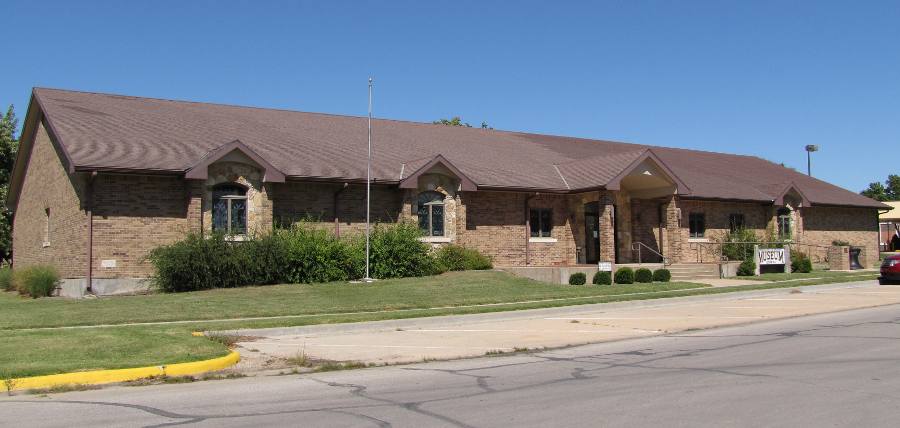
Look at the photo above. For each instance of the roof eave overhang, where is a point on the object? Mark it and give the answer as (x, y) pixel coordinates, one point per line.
(616, 182)
(412, 181)
(200, 170)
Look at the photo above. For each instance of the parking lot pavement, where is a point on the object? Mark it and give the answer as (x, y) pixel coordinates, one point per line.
(468, 336)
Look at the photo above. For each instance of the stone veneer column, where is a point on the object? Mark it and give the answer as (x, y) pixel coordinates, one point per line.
(673, 234)
(607, 234)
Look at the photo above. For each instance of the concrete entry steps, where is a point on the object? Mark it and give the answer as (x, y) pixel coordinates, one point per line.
(693, 271)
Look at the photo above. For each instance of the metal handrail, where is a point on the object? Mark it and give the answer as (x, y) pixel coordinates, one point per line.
(636, 246)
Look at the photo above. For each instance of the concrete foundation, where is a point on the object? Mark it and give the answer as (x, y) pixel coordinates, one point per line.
(77, 287)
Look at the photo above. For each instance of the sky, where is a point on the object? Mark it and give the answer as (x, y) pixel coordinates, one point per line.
(763, 78)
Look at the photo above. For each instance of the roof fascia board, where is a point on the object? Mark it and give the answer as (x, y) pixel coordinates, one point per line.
(200, 170)
(615, 182)
(465, 183)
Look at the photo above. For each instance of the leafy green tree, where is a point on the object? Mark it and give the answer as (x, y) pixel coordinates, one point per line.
(9, 146)
(875, 191)
(457, 121)
(889, 191)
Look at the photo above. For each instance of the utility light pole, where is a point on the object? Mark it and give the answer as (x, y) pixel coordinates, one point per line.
(809, 149)
(367, 278)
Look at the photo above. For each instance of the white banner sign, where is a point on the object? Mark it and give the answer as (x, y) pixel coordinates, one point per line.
(604, 266)
(771, 256)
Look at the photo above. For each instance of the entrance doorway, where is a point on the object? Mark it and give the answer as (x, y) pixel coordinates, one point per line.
(592, 232)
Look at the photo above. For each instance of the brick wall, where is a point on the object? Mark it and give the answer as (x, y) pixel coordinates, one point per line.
(314, 202)
(858, 226)
(756, 217)
(135, 214)
(48, 185)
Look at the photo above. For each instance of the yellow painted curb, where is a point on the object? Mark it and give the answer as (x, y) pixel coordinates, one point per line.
(98, 377)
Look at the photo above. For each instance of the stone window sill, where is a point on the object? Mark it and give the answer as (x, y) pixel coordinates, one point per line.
(45, 244)
(542, 240)
(236, 238)
(698, 239)
(436, 239)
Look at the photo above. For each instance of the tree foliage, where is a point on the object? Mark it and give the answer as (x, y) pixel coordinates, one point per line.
(889, 191)
(457, 121)
(9, 146)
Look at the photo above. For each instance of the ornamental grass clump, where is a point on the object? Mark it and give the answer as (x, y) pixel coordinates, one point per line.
(643, 276)
(602, 278)
(6, 283)
(36, 281)
(624, 276)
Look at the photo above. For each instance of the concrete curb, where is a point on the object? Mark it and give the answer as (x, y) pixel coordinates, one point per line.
(98, 377)
(424, 322)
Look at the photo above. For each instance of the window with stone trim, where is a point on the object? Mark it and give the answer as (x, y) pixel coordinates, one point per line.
(229, 209)
(541, 222)
(784, 223)
(735, 222)
(697, 225)
(431, 213)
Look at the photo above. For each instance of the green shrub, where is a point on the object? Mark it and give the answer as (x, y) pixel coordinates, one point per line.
(305, 254)
(196, 263)
(455, 257)
(662, 275)
(738, 245)
(747, 268)
(36, 281)
(577, 278)
(643, 275)
(625, 276)
(602, 278)
(800, 262)
(6, 283)
(397, 252)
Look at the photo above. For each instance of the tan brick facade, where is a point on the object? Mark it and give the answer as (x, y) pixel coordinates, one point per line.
(132, 214)
(47, 186)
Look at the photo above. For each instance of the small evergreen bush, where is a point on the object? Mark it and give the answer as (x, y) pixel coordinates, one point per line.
(6, 283)
(602, 278)
(455, 257)
(747, 268)
(625, 276)
(397, 252)
(662, 275)
(577, 278)
(643, 275)
(36, 281)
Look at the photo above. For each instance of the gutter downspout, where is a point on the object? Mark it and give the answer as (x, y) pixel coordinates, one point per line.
(528, 229)
(337, 220)
(90, 231)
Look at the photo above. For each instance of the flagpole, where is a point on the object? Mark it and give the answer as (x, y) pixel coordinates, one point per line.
(368, 182)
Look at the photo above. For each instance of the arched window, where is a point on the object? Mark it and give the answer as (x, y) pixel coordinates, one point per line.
(784, 223)
(431, 213)
(229, 209)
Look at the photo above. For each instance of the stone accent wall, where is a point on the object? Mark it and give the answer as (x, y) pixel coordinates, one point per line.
(48, 185)
(259, 203)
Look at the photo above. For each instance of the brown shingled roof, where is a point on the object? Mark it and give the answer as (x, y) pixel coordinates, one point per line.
(113, 132)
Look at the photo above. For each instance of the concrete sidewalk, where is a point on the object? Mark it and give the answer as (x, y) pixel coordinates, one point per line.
(410, 340)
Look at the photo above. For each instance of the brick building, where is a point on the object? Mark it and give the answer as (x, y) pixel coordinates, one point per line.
(102, 179)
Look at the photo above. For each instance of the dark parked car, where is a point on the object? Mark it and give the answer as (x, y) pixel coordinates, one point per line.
(890, 269)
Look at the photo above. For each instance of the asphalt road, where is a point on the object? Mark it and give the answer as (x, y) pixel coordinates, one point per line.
(839, 369)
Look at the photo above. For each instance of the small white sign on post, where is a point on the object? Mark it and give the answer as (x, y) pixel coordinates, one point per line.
(771, 256)
(604, 266)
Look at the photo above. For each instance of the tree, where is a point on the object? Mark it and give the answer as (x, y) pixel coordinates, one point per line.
(456, 121)
(9, 146)
(889, 191)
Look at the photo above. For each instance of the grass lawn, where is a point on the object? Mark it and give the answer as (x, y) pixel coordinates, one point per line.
(26, 351)
(813, 274)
